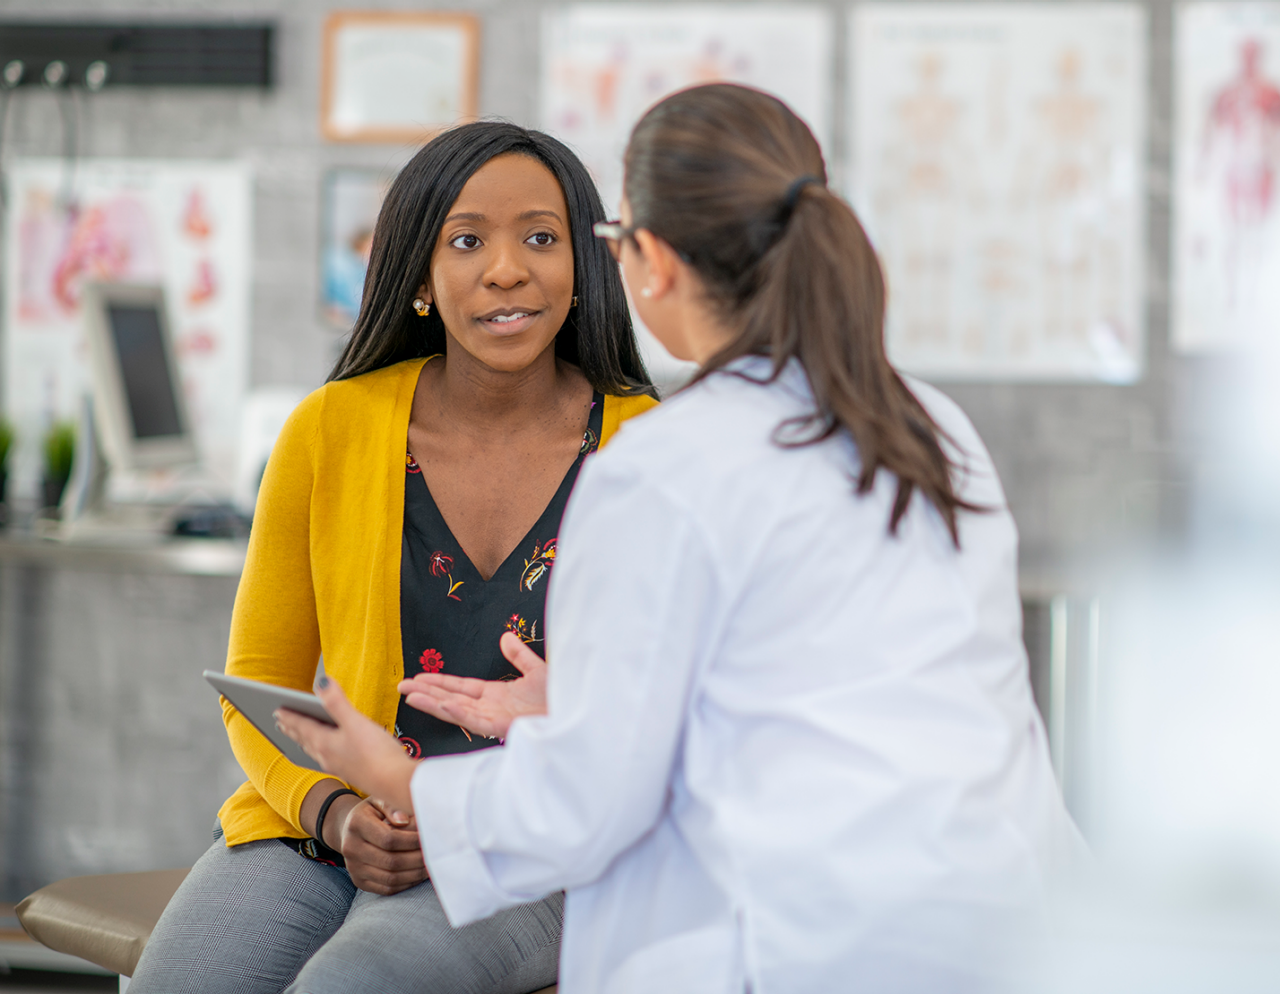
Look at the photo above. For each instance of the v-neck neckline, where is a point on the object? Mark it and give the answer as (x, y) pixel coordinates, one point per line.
(590, 441)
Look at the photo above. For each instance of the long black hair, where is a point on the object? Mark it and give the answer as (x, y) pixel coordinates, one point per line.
(597, 336)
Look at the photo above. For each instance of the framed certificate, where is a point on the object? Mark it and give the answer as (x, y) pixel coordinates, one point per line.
(397, 76)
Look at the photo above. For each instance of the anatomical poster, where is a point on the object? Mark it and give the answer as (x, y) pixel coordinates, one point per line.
(997, 163)
(182, 224)
(604, 65)
(1226, 256)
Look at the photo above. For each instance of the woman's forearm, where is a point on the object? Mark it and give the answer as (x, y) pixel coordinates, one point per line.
(315, 799)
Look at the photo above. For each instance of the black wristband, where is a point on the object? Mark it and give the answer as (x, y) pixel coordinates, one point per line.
(324, 810)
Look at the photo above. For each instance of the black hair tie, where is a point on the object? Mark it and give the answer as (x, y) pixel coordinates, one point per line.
(792, 196)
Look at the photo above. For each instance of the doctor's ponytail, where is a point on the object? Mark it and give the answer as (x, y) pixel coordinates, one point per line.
(735, 183)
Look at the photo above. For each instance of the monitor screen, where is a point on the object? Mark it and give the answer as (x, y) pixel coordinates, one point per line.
(144, 367)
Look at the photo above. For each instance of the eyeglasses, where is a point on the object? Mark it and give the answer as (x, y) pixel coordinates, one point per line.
(614, 234)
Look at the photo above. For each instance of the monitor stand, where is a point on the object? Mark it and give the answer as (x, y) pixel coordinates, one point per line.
(86, 490)
(85, 515)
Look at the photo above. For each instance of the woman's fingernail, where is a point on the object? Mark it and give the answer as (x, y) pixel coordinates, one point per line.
(323, 683)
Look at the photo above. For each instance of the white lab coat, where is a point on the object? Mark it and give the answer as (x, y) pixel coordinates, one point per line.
(785, 751)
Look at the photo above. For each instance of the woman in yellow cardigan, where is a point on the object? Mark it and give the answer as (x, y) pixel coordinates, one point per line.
(407, 519)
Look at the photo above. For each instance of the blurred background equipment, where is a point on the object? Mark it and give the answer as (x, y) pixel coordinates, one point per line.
(91, 53)
(137, 396)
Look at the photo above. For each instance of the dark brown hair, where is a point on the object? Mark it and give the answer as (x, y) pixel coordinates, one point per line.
(597, 335)
(735, 183)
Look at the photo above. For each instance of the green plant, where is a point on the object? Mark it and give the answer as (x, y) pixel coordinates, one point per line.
(6, 441)
(59, 447)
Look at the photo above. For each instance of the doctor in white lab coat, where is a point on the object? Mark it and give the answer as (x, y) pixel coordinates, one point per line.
(789, 742)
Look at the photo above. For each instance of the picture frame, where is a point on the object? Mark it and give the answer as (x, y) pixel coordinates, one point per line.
(397, 76)
(351, 200)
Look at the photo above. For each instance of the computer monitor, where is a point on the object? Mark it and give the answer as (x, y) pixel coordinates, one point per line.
(137, 392)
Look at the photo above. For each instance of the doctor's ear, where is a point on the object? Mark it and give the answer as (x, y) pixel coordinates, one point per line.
(661, 261)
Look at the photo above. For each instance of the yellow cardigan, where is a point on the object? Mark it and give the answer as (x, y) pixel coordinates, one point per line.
(323, 576)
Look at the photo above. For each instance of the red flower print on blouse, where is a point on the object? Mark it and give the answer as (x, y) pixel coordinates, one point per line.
(410, 745)
(521, 629)
(410, 463)
(431, 660)
(442, 565)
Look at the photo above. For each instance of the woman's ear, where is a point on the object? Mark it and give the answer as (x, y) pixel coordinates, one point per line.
(660, 263)
(424, 291)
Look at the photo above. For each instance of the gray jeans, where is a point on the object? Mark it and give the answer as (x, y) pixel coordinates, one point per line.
(258, 918)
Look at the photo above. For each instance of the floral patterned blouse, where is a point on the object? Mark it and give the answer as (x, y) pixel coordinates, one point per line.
(451, 617)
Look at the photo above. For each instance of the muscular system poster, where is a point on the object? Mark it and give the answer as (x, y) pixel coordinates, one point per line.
(997, 162)
(1226, 264)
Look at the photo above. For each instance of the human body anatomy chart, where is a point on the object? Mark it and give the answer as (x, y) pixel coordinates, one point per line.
(1226, 263)
(997, 154)
(604, 65)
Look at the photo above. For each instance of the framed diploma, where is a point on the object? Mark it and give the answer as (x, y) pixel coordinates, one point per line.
(397, 76)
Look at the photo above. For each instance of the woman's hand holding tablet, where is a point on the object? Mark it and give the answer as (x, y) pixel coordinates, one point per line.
(355, 749)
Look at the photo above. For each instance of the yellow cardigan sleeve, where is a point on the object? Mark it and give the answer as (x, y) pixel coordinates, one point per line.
(275, 634)
(618, 410)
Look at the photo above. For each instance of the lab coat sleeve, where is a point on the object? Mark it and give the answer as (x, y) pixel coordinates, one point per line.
(631, 612)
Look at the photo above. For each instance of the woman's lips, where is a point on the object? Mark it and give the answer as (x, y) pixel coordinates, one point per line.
(509, 323)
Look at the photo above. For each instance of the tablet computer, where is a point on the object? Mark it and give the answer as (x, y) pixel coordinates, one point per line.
(258, 702)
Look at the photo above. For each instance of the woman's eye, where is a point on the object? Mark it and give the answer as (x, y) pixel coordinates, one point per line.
(465, 242)
(543, 238)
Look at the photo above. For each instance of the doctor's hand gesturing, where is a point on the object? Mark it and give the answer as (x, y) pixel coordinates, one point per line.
(485, 707)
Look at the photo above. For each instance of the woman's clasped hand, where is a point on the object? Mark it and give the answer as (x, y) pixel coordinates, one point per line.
(379, 846)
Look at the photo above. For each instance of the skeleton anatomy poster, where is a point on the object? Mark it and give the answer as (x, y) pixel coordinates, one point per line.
(997, 161)
(605, 64)
(184, 225)
(1226, 263)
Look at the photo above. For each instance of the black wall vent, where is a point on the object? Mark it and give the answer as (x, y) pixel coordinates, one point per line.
(138, 54)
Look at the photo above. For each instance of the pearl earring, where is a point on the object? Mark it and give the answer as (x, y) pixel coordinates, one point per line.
(422, 307)
(646, 292)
